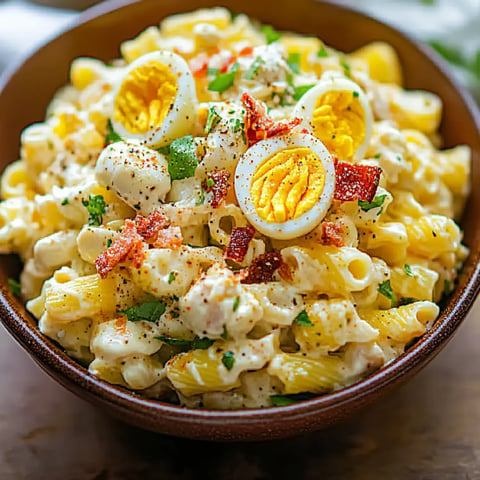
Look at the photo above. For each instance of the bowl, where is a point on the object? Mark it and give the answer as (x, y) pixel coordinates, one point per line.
(25, 92)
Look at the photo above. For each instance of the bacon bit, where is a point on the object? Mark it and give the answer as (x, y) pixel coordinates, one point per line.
(285, 272)
(263, 267)
(355, 181)
(128, 247)
(332, 233)
(229, 62)
(170, 237)
(259, 125)
(199, 65)
(219, 188)
(149, 227)
(245, 51)
(239, 240)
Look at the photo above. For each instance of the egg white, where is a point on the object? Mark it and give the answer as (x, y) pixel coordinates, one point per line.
(181, 118)
(338, 83)
(246, 168)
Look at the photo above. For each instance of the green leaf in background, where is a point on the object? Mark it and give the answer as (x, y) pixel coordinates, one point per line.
(271, 35)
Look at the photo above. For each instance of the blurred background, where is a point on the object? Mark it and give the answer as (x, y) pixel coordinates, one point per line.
(450, 26)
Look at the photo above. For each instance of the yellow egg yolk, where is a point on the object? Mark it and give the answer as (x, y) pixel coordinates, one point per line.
(145, 97)
(287, 184)
(339, 122)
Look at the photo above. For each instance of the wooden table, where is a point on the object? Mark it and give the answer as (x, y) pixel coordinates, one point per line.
(427, 430)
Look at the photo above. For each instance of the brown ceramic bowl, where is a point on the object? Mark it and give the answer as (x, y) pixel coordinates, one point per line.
(26, 91)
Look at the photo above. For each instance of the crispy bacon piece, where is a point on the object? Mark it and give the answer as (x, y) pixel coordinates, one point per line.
(263, 267)
(155, 229)
(332, 233)
(245, 51)
(128, 247)
(170, 237)
(218, 185)
(259, 125)
(239, 240)
(355, 181)
(149, 227)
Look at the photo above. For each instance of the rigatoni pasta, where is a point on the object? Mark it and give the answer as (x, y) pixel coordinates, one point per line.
(234, 217)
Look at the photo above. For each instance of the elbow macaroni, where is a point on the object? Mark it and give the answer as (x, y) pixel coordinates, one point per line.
(181, 317)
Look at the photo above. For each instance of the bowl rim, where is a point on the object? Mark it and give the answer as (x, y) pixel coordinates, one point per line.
(52, 358)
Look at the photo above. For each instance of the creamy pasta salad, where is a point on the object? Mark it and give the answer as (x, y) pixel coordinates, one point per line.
(232, 217)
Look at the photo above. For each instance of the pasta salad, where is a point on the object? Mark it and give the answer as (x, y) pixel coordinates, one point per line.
(233, 217)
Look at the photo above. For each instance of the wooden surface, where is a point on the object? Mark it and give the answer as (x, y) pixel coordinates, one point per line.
(427, 430)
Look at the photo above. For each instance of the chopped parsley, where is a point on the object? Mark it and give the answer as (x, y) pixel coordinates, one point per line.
(201, 197)
(236, 303)
(356, 94)
(385, 289)
(228, 360)
(196, 344)
(271, 35)
(375, 203)
(224, 335)
(294, 61)
(223, 81)
(377, 156)
(109, 242)
(300, 91)
(95, 206)
(252, 72)
(171, 277)
(183, 158)
(65, 201)
(212, 72)
(147, 312)
(112, 135)
(322, 52)
(282, 400)
(212, 120)
(303, 319)
(14, 286)
(408, 270)
(210, 182)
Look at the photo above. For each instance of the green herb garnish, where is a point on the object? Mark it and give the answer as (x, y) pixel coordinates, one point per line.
(112, 135)
(282, 400)
(95, 206)
(294, 61)
(385, 289)
(375, 203)
(223, 81)
(300, 91)
(228, 360)
(65, 201)
(303, 319)
(252, 72)
(109, 242)
(236, 303)
(322, 52)
(202, 343)
(271, 35)
(175, 342)
(408, 270)
(212, 120)
(171, 277)
(14, 286)
(183, 158)
(148, 312)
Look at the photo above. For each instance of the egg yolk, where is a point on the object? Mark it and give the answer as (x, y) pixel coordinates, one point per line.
(339, 122)
(287, 184)
(145, 97)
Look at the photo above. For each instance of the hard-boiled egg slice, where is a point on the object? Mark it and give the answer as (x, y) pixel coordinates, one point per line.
(137, 174)
(338, 113)
(284, 185)
(155, 101)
